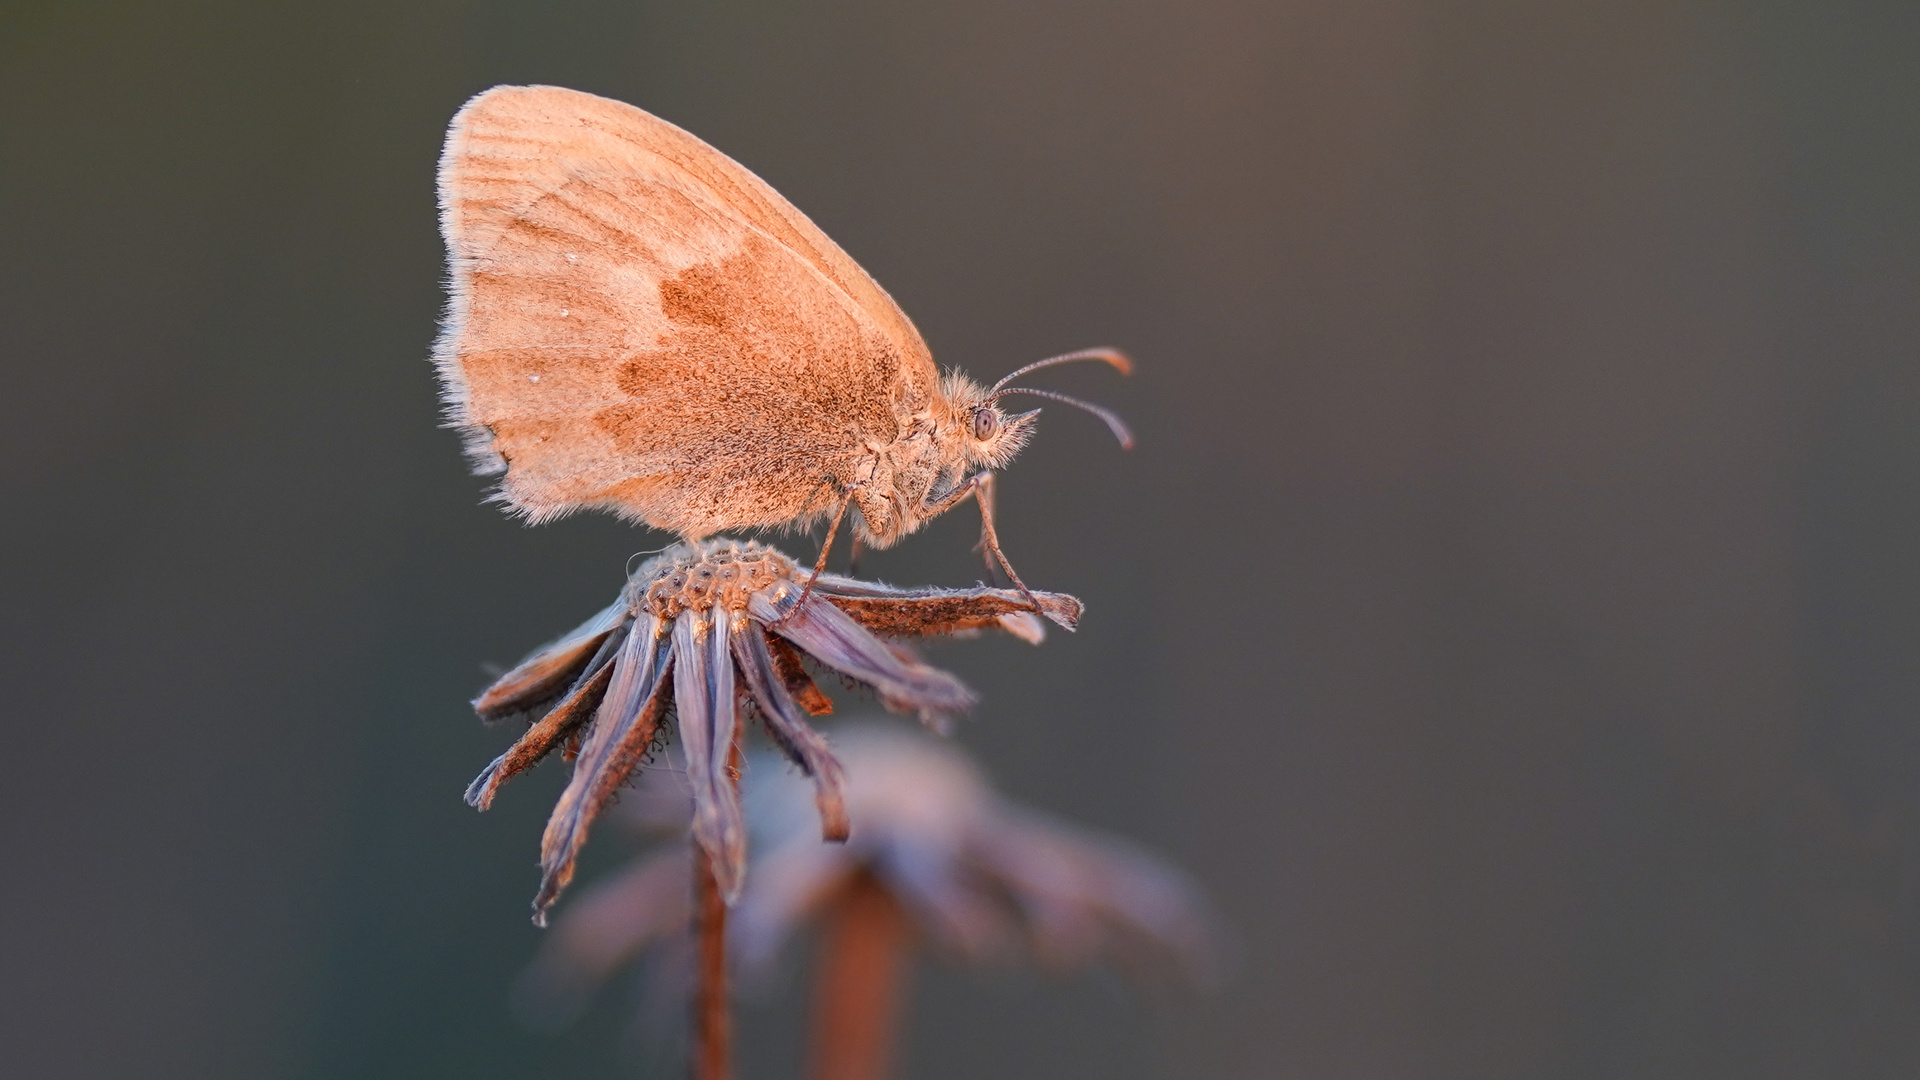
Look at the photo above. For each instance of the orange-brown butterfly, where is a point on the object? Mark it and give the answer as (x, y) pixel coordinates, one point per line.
(639, 324)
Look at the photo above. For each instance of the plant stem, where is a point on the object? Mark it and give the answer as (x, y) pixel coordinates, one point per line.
(711, 1052)
(859, 984)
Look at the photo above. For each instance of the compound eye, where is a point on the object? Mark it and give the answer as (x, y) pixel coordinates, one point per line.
(986, 421)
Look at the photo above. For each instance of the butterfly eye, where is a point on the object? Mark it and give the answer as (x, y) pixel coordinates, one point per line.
(985, 423)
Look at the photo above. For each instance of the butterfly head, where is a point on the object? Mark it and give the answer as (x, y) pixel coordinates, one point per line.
(991, 438)
(980, 433)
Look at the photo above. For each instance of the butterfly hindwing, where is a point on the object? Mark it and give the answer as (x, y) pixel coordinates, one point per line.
(640, 324)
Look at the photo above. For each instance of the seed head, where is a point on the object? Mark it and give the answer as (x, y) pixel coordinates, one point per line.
(700, 631)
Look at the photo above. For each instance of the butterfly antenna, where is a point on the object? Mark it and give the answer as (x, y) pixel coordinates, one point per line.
(1114, 357)
(1113, 421)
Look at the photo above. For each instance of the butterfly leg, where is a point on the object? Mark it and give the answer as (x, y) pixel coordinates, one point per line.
(820, 564)
(983, 496)
(980, 486)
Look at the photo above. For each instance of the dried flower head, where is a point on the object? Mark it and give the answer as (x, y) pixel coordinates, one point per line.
(700, 630)
(978, 876)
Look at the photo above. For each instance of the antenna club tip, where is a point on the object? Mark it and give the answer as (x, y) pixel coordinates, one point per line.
(1114, 358)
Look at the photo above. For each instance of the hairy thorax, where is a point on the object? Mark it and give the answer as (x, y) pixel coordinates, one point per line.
(904, 477)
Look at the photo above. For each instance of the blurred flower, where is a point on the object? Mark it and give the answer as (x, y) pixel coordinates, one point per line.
(688, 623)
(977, 876)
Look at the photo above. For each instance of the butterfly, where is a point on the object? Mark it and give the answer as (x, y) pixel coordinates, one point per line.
(638, 324)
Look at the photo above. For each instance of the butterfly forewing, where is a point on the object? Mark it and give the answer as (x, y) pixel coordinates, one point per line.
(640, 324)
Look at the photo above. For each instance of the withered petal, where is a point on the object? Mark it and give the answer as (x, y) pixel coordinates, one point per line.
(791, 883)
(834, 639)
(623, 728)
(540, 739)
(703, 692)
(884, 609)
(1024, 625)
(927, 876)
(789, 728)
(1084, 896)
(793, 672)
(548, 670)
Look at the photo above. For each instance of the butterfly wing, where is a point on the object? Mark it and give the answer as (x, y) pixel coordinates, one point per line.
(638, 323)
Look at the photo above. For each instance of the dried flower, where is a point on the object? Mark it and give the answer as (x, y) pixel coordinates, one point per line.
(692, 626)
(978, 876)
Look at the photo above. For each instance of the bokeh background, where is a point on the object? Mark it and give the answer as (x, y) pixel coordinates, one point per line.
(1510, 615)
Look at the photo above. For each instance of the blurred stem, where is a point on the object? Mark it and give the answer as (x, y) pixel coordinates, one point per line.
(712, 1026)
(859, 984)
(712, 1049)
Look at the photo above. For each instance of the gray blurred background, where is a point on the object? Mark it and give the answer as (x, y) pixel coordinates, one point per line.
(1510, 613)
